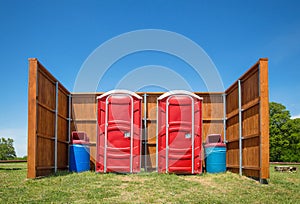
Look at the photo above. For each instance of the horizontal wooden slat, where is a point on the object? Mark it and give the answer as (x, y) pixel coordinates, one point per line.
(252, 167)
(250, 104)
(85, 120)
(44, 167)
(62, 141)
(232, 166)
(51, 138)
(45, 136)
(230, 141)
(63, 117)
(251, 136)
(62, 167)
(52, 110)
(244, 167)
(213, 119)
(50, 167)
(150, 120)
(232, 114)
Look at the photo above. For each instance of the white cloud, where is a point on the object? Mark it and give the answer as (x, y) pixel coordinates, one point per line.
(20, 139)
(295, 116)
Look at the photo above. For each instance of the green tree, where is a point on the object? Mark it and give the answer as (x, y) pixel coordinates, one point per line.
(284, 135)
(291, 131)
(7, 150)
(278, 117)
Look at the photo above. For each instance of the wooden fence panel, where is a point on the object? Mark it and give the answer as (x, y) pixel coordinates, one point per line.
(85, 118)
(48, 122)
(212, 114)
(63, 128)
(149, 124)
(247, 124)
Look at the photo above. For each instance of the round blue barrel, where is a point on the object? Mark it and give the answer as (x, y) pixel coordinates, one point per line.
(79, 158)
(215, 157)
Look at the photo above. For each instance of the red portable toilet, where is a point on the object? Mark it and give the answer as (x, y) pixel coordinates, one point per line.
(118, 132)
(179, 133)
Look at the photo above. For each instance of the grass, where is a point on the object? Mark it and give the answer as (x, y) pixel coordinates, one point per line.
(89, 187)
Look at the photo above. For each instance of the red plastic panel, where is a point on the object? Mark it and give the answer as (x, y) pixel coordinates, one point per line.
(119, 119)
(178, 157)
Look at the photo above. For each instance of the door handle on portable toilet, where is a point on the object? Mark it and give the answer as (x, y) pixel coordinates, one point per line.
(188, 136)
(126, 134)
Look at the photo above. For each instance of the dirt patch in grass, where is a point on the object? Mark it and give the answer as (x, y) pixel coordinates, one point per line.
(132, 178)
(205, 181)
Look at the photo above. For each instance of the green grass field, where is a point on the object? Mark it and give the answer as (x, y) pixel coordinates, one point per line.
(89, 187)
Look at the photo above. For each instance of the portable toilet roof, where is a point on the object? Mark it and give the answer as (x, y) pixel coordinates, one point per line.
(179, 92)
(119, 91)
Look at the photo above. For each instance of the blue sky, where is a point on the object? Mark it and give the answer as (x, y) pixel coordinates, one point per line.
(62, 34)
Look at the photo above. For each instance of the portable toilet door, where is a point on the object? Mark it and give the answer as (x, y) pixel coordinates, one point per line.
(179, 133)
(118, 132)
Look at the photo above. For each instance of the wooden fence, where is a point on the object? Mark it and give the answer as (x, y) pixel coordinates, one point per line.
(241, 119)
(48, 122)
(247, 123)
(84, 118)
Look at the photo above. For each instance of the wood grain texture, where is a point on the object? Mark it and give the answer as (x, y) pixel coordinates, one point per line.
(84, 115)
(255, 122)
(41, 122)
(32, 120)
(264, 118)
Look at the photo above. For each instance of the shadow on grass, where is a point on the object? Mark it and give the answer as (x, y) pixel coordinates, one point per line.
(57, 174)
(60, 173)
(11, 169)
